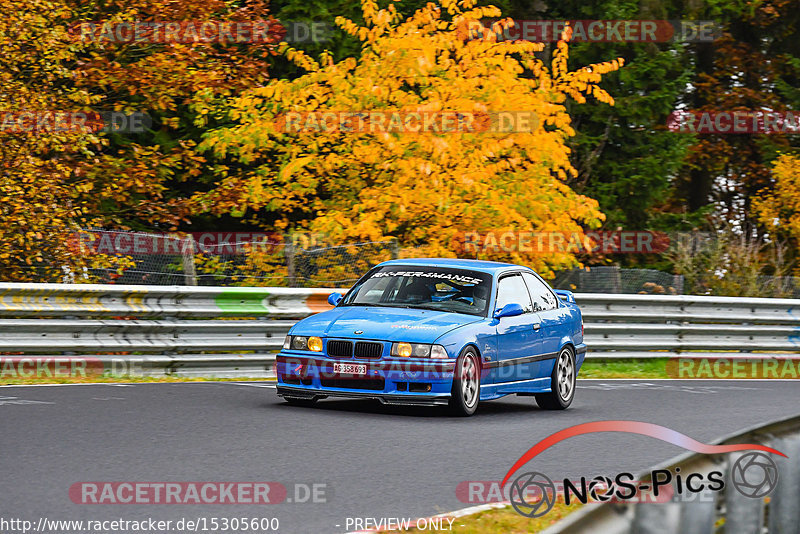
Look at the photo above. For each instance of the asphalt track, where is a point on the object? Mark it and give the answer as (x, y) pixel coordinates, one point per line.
(376, 461)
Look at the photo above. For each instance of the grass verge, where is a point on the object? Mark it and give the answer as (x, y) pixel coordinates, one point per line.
(504, 521)
(643, 368)
(122, 380)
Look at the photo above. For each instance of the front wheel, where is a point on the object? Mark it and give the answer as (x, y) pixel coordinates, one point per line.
(562, 383)
(466, 384)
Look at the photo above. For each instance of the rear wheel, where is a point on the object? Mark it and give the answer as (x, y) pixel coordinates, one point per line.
(466, 384)
(562, 383)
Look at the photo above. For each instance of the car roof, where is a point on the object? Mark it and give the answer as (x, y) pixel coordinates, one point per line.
(492, 267)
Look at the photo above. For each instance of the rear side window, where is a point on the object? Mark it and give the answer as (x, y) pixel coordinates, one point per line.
(511, 289)
(543, 298)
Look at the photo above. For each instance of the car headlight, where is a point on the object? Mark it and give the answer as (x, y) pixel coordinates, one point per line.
(418, 350)
(313, 343)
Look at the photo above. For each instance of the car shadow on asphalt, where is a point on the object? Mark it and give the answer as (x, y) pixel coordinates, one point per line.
(526, 406)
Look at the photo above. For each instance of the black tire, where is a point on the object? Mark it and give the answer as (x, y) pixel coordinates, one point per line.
(296, 401)
(466, 392)
(562, 383)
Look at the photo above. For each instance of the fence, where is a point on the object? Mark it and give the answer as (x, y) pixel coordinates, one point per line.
(230, 331)
(709, 512)
(612, 279)
(305, 260)
(298, 260)
(227, 258)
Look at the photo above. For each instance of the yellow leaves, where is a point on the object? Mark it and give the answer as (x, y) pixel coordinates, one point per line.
(369, 8)
(293, 166)
(348, 26)
(299, 58)
(778, 208)
(84, 187)
(427, 187)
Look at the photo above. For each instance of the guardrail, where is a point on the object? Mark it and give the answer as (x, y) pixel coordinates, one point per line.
(646, 326)
(234, 329)
(165, 301)
(211, 331)
(702, 512)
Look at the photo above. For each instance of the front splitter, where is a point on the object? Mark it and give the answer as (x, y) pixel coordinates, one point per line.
(408, 400)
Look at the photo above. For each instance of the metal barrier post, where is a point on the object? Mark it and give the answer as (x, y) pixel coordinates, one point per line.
(652, 518)
(698, 516)
(743, 515)
(784, 507)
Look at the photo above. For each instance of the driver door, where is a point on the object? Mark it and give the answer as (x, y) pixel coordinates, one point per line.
(518, 338)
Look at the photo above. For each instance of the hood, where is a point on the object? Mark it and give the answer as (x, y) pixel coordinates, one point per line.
(382, 323)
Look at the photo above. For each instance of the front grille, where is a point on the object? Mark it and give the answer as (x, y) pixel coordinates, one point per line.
(375, 384)
(365, 349)
(340, 349)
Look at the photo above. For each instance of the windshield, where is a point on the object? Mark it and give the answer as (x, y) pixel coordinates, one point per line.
(423, 287)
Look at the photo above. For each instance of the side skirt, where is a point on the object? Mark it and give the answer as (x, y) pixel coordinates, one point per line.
(533, 385)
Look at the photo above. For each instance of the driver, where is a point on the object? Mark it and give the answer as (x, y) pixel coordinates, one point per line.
(416, 292)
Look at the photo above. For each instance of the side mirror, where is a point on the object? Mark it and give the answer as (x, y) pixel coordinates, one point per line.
(334, 298)
(509, 310)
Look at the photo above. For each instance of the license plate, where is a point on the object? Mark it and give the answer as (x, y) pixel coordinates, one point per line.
(350, 368)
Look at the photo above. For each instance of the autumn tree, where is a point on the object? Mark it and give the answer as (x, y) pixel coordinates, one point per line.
(624, 155)
(55, 182)
(752, 66)
(143, 179)
(425, 189)
(40, 191)
(778, 205)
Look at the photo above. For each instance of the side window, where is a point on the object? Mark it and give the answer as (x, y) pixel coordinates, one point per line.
(512, 290)
(543, 298)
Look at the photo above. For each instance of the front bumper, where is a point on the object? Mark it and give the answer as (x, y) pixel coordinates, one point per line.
(389, 380)
(404, 399)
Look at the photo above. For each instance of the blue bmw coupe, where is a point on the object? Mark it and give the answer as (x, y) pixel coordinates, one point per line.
(438, 332)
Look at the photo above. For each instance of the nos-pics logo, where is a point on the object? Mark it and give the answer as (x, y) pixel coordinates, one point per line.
(533, 494)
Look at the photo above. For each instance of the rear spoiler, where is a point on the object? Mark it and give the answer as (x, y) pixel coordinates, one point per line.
(565, 295)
